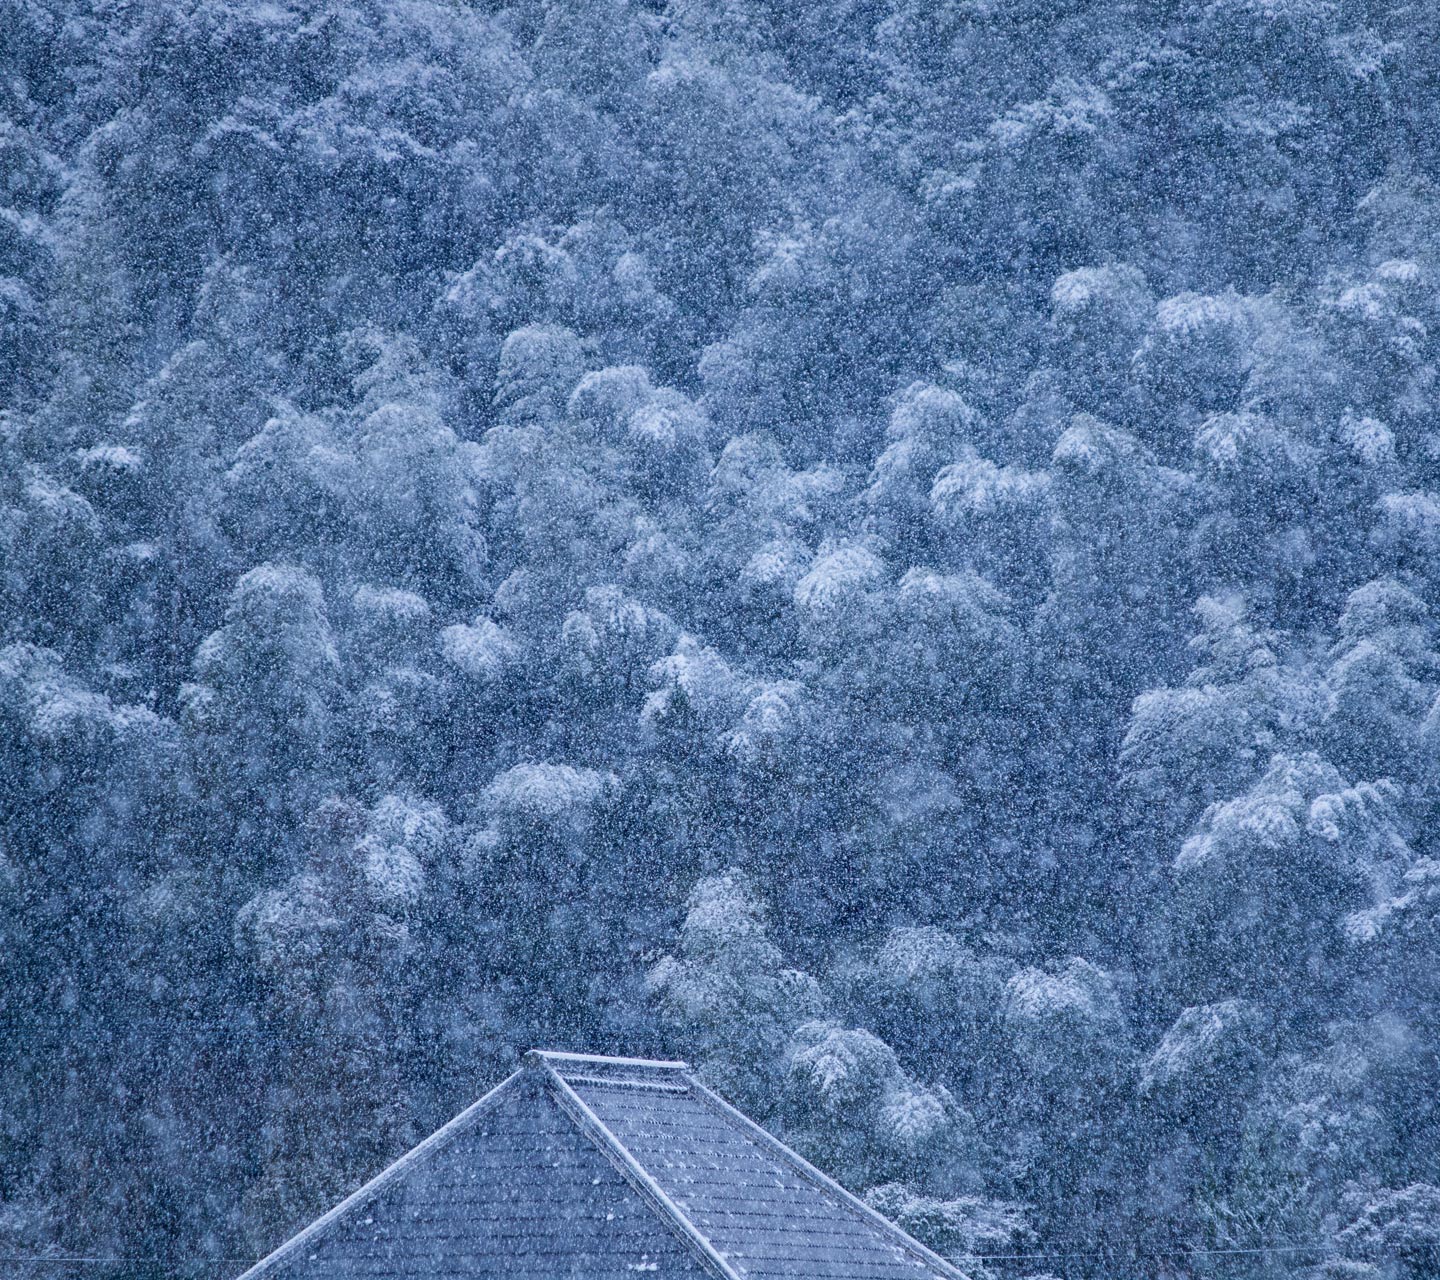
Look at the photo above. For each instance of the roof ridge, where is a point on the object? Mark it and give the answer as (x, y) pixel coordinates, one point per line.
(660, 1085)
(381, 1180)
(824, 1182)
(630, 1167)
(552, 1056)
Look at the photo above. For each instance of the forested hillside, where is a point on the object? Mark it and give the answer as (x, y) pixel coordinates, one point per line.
(884, 547)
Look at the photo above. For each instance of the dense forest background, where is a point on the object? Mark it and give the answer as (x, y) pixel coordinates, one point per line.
(885, 547)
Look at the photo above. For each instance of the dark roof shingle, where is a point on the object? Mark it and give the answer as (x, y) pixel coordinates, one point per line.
(580, 1166)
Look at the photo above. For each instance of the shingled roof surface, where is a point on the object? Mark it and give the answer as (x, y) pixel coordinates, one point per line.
(581, 1166)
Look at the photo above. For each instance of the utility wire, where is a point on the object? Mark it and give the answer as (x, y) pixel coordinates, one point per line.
(1138, 1252)
(1145, 1252)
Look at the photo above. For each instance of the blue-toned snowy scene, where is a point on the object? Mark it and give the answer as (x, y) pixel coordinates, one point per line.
(752, 639)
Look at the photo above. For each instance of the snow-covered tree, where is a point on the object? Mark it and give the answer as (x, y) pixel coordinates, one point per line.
(729, 993)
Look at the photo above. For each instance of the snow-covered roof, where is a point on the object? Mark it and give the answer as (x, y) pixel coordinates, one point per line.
(595, 1167)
